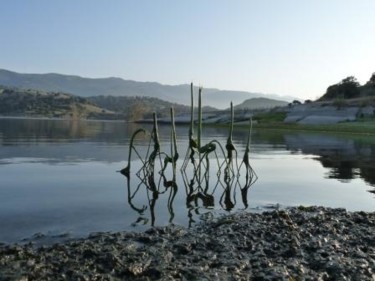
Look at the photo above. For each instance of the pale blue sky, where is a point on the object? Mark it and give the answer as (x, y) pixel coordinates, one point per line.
(286, 47)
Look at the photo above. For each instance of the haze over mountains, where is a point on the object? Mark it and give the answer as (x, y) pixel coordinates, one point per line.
(87, 87)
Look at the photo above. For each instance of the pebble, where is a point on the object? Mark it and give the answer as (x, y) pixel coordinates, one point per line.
(301, 243)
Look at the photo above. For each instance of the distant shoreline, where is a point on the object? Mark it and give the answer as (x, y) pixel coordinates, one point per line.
(356, 127)
(62, 119)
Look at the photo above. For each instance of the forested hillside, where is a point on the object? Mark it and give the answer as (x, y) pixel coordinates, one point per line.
(349, 88)
(136, 108)
(34, 103)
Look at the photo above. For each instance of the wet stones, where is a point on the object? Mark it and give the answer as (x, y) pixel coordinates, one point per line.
(305, 243)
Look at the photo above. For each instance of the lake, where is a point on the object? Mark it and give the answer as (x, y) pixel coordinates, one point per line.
(60, 178)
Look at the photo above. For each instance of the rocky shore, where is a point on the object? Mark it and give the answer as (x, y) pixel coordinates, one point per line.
(312, 243)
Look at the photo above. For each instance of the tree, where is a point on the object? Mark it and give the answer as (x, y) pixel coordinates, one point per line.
(371, 82)
(348, 88)
(350, 80)
(136, 111)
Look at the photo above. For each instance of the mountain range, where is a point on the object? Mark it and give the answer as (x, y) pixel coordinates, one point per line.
(113, 86)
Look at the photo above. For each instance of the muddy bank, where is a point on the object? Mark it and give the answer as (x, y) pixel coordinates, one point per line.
(294, 244)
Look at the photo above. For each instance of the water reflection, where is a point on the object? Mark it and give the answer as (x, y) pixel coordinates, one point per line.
(18, 132)
(64, 141)
(60, 141)
(345, 158)
(143, 194)
(58, 176)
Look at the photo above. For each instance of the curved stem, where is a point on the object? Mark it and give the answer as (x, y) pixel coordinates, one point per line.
(126, 170)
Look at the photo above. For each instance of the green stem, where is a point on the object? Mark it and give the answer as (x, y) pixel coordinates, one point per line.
(155, 138)
(231, 123)
(199, 131)
(174, 152)
(191, 131)
(249, 135)
(126, 170)
(199, 116)
(230, 147)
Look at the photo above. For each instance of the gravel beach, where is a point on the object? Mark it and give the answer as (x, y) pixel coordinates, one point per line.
(303, 243)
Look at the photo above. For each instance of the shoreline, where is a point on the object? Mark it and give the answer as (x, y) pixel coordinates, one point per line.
(365, 128)
(298, 243)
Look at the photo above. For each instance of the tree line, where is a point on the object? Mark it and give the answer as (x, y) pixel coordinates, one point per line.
(349, 88)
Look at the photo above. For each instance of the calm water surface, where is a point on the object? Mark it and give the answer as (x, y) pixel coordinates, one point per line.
(58, 178)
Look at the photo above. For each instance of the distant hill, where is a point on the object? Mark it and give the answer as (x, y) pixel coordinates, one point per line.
(35, 103)
(87, 87)
(136, 108)
(260, 103)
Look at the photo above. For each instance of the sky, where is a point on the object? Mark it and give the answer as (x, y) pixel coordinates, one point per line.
(285, 47)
